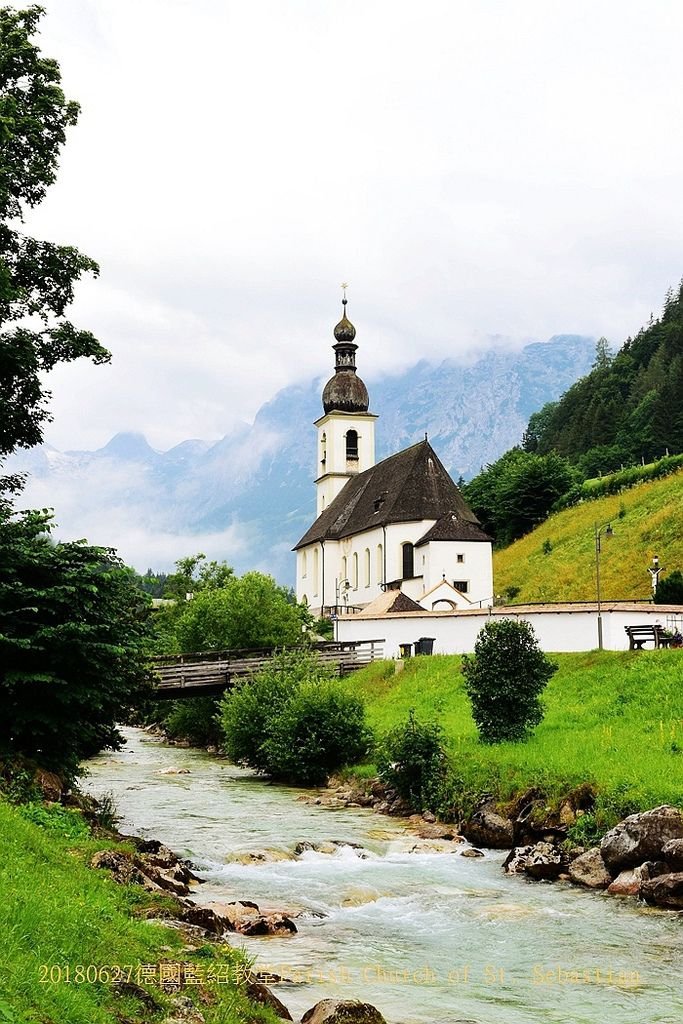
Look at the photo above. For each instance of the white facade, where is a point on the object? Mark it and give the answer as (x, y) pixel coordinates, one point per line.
(346, 446)
(353, 571)
(558, 627)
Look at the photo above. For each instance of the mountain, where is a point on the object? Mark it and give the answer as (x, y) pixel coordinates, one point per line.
(248, 497)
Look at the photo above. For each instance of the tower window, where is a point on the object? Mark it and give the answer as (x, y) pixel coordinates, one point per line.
(323, 449)
(461, 585)
(407, 559)
(460, 558)
(351, 444)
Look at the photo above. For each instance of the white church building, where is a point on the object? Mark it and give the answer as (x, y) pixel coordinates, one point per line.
(399, 524)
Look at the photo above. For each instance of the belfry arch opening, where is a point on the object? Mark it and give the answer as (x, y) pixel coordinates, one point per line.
(351, 444)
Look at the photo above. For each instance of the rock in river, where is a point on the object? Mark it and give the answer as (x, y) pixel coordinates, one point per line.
(342, 1011)
(589, 870)
(641, 837)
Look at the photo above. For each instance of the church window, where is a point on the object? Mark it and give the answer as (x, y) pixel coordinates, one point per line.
(355, 572)
(407, 561)
(367, 567)
(304, 564)
(380, 563)
(344, 570)
(351, 444)
(315, 570)
(461, 585)
(460, 558)
(323, 449)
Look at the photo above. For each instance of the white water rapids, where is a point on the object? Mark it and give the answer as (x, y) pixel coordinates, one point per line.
(425, 937)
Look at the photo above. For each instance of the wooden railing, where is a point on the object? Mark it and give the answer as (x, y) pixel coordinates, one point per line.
(206, 673)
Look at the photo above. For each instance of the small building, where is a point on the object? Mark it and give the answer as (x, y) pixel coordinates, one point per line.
(399, 524)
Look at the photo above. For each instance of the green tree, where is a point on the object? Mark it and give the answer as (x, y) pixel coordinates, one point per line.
(37, 278)
(504, 680)
(74, 636)
(250, 611)
(413, 759)
(670, 589)
(293, 722)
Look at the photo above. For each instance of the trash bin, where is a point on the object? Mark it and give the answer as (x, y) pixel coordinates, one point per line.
(406, 650)
(425, 645)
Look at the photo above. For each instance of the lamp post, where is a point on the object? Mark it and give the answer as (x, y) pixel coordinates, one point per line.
(341, 587)
(606, 528)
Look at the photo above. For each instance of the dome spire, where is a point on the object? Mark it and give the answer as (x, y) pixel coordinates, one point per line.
(345, 392)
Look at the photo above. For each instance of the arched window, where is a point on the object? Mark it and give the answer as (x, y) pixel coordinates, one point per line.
(351, 444)
(315, 570)
(344, 569)
(354, 581)
(407, 561)
(323, 449)
(380, 564)
(304, 564)
(367, 567)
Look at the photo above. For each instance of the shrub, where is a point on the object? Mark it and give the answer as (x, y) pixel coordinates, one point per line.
(194, 719)
(413, 759)
(504, 680)
(293, 722)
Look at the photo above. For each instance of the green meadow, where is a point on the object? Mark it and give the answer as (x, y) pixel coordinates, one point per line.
(612, 719)
(66, 928)
(558, 557)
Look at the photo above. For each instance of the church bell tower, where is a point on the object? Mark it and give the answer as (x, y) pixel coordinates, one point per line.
(346, 431)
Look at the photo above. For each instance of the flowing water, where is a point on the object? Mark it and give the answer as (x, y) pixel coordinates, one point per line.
(425, 937)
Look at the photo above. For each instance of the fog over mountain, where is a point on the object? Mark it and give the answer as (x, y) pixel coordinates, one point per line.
(248, 497)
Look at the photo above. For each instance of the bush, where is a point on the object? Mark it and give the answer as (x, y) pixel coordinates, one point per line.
(504, 680)
(413, 759)
(194, 719)
(293, 722)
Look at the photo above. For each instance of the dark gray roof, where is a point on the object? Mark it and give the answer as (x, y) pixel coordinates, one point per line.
(407, 487)
(452, 527)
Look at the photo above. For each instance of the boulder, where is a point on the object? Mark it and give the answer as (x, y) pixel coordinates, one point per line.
(342, 1011)
(589, 869)
(486, 827)
(664, 891)
(438, 832)
(207, 919)
(471, 851)
(627, 883)
(266, 924)
(541, 861)
(641, 837)
(259, 993)
(672, 852)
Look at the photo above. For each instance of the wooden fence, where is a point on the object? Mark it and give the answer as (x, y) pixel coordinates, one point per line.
(208, 673)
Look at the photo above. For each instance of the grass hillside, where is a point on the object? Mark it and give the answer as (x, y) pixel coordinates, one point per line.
(613, 719)
(646, 520)
(66, 928)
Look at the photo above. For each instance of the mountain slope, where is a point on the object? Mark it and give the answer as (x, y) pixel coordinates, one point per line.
(646, 521)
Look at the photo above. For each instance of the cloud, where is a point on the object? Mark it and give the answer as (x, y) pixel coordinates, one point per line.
(483, 174)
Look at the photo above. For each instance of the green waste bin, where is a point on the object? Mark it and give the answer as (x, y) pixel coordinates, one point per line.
(425, 645)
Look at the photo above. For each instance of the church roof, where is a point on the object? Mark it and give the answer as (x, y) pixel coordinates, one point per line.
(452, 527)
(407, 487)
(391, 601)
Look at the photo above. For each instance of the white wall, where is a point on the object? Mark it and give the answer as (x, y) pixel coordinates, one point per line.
(331, 475)
(441, 558)
(558, 627)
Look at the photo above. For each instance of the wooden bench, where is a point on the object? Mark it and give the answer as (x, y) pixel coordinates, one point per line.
(638, 636)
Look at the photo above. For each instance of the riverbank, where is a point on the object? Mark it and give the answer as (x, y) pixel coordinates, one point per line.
(79, 949)
(613, 723)
(415, 928)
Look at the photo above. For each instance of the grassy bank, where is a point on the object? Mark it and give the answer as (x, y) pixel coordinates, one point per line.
(558, 557)
(62, 919)
(612, 719)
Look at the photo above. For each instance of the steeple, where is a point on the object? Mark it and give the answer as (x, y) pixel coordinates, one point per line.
(345, 392)
(346, 430)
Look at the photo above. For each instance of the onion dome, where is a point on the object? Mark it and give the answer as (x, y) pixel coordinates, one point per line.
(345, 391)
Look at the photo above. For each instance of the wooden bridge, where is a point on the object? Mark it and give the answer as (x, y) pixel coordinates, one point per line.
(209, 673)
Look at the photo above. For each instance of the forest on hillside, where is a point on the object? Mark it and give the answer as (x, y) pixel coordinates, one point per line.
(627, 410)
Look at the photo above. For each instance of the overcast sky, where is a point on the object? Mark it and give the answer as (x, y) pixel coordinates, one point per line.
(475, 169)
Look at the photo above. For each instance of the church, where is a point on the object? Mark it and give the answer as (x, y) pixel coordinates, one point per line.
(396, 525)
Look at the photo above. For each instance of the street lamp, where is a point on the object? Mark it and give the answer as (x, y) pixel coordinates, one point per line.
(341, 587)
(606, 528)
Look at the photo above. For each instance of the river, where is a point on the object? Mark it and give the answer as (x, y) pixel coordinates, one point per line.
(425, 937)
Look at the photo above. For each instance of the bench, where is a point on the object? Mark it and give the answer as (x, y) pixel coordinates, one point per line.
(638, 636)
